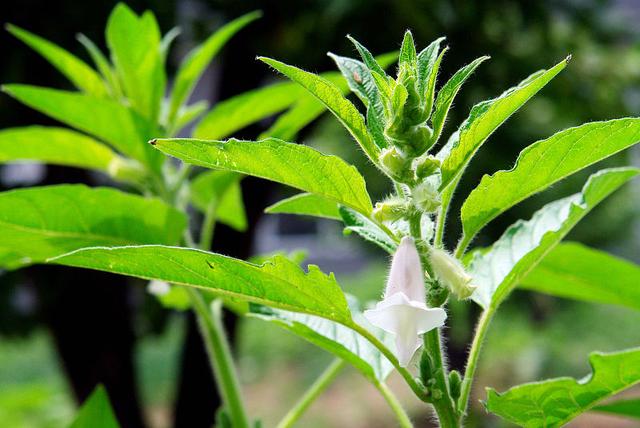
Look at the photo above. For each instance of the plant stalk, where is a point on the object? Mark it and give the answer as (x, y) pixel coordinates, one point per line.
(439, 396)
(398, 410)
(472, 361)
(317, 388)
(217, 345)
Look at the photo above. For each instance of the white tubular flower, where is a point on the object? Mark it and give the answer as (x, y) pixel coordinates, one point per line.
(450, 271)
(403, 310)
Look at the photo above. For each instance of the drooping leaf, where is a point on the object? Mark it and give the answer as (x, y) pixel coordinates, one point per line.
(96, 412)
(332, 337)
(306, 204)
(525, 243)
(544, 163)
(135, 45)
(292, 164)
(105, 119)
(58, 146)
(73, 68)
(554, 402)
(278, 283)
(331, 96)
(42, 222)
(103, 65)
(629, 408)
(367, 229)
(484, 118)
(575, 271)
(223, 189)
(198, 59)
(448, 92)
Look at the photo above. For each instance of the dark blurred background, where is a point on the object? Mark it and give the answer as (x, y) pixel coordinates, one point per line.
(62, 333)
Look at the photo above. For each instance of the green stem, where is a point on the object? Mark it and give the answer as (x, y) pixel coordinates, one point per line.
(317, 388)
(462, 246)
(208, 226)
(398, 410)
(440, 396)
(217, 345)
(472, 361)
(418, 390)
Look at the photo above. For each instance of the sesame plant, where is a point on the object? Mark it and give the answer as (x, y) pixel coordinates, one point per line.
(141, 231)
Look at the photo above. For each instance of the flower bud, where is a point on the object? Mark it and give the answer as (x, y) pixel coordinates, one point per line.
(390, 210)
(426, 197)
(455, 383)
(395, 163)
(451, 273)
(427, 166)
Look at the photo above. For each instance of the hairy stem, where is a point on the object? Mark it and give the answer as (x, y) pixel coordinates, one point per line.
(217, 345)
(401, 415)
(438, 383)
(472, 361)
(317, 388)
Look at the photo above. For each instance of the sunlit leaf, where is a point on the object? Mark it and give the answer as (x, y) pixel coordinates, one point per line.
(554, 402)
(102, 64)
(77, 71)
(331, 96)
(292, 164)
(105, 119)
(278, 283)
(198, 59)
(575, 271)
(42, 222)
(544, 163)
(485, 118)
(525, 243)
(58, 146)
(135, 45)
(306, 204)
(629, 408)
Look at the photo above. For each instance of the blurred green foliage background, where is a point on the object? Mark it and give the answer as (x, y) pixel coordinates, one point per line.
(534, 337)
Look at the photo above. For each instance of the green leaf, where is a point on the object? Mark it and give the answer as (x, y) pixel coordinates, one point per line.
(135, 45)
(629, 408)
(58, 146)
(198, 59)
(332, 97)
(42, 222)
(332, 337)
(448, 92)
(575, 271)
(223, 189)
(188, 114)
(102, 65)
(73, 68)
(306, 204)
(308, 107)
(279, 282)
(501, 268)
(544, 163)
(428, 62)
(292, 164)
(249, 107)
(486, 117)
(554, 402)
(371, 62)
(109, 121)
(367, 229)
(96, 412)
(408, 53)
